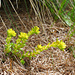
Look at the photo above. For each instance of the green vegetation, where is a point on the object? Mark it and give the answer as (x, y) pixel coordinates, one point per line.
(16, 48)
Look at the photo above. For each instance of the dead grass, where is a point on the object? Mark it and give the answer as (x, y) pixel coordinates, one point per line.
(50, 62)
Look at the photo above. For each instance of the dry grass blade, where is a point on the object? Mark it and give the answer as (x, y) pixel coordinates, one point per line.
(18, 15)
(37, 12)
(37, 9)
(3, 23)
(1, 27)
(48, 13)
(0, 3)
(17, 3)
(72, 4)
(4, 4)
(42, 11)
(58, 2)
(18, 62)
(33, 5)
(58, 14)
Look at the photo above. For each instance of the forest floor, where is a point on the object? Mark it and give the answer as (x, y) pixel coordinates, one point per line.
(49, 62)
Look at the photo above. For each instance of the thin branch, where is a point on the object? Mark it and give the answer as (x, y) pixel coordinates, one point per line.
(3, 23)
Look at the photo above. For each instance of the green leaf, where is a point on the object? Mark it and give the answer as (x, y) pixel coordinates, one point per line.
(23, 56)
(13, 52)
(74, 55)
(17, 50)
(27, 54)
(9, 50)
(22, 61)
(62, 5)
(12, 43)
(68, 20)
(21, 49)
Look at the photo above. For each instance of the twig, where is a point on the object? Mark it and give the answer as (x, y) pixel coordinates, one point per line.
(1, 27)
(3, 23)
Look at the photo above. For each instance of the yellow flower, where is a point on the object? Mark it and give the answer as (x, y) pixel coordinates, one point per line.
(11, 33)
(39, 46)
(62, 45)
(37, 51)
(23, 35)
(36, 29)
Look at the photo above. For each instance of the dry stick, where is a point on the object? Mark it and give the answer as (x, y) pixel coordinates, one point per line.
(18, 15)
(3, 23)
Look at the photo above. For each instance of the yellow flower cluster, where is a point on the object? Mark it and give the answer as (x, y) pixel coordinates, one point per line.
(36, 30)
(39, 47)
(60, 44)
(11, 33)
(23, 35)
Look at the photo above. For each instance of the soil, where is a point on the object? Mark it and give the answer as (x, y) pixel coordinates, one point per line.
(49, 62)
